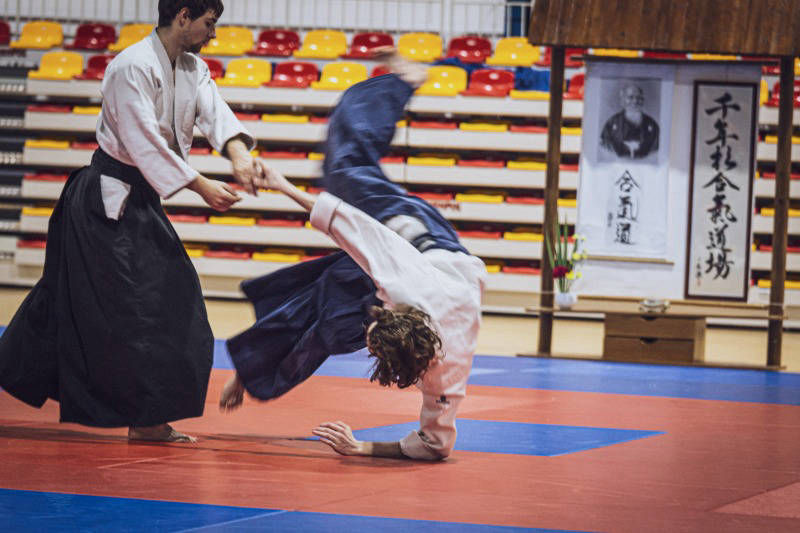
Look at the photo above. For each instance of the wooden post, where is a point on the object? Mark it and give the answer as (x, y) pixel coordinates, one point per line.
(551, 195)
(780, 222)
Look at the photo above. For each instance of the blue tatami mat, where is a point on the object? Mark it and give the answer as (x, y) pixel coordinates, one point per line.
(24, 511)
(518, 438)
(597, 376)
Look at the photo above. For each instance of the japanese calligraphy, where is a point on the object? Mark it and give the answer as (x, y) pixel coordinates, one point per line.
(627, 208)
(723, 164)
(720, 213)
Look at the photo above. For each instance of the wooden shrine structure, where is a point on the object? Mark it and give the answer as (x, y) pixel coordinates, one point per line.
(740, 27)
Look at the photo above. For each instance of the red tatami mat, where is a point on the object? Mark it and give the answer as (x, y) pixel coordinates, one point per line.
(712, 453)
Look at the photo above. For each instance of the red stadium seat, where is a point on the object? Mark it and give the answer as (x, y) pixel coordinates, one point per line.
(93, 36)
(95, 67)
(276, 43)
(215, 67)
(364, 43)
(5, 33)
(575, 91)
(470, 49)
(379, 70)
(569, 62)
(490, 82)
(298, 74)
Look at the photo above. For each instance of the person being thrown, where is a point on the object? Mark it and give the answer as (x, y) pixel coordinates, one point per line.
(402, 272)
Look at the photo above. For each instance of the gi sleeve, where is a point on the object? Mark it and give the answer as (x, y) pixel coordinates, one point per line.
(214, 118)
(437, 432)
(398, 269)
(130, 95)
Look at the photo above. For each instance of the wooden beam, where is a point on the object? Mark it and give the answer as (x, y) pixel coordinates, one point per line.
(780, 222)
(551, 193)
(751, 27)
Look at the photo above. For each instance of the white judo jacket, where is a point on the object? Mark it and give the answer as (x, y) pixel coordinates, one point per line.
(150, 111)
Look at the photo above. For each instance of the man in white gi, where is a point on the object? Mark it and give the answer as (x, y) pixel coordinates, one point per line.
(116, 330)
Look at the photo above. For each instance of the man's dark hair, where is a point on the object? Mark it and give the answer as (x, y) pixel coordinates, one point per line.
(403, 344)
(167, 9)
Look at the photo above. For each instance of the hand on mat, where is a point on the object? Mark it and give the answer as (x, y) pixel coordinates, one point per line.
(217, 194)
(339, 436)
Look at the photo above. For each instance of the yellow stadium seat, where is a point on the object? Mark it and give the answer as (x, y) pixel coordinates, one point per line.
(773, 139)
(523, 236)
(763, 94)
(287, 118)
(797, 66)
(232, 220)
(230, 41)
(195, 252)
(39, 34)
(714, 57)
(277, 257)
(480, 198)
(529, 95)
(87, 109)
(493, 268)
(523, 164)
(567, 202)
(58, 66)
(339, 76)
(571, 131)
(514, 52)
(432, 161)
(316, 156)
(323, 44)
(420, 46)
(37, 211)
(246, 72)
(444, 81)
(615, 52)
(47, 143)
(130, 34)
(483, 126)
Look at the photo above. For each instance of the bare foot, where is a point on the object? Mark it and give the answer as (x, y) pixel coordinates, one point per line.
(159, 433)
(232, 394)
(412, 73)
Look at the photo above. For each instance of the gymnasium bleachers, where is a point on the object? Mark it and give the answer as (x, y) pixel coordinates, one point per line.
(464, 145)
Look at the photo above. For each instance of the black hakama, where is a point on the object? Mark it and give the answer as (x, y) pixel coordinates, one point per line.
(116, 330)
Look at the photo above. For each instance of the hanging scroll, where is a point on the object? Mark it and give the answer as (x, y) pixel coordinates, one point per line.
(721, 185)
(624, 167)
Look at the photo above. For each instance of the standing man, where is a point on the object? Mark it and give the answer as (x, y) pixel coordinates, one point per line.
(116, 330)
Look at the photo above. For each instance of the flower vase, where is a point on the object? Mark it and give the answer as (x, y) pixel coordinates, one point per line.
(565, 300)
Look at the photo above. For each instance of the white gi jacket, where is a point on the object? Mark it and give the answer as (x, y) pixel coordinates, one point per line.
(149, 113)
(446, 285)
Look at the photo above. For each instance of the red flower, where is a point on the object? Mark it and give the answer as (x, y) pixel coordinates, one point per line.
(560, 271)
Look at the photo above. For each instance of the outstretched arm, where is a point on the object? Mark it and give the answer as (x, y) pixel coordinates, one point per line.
(272, 179)
(339, 436)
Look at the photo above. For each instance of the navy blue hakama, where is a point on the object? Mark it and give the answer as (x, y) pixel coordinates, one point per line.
(306, 312)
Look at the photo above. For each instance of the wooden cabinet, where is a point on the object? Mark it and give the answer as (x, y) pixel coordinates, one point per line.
(656, 338)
